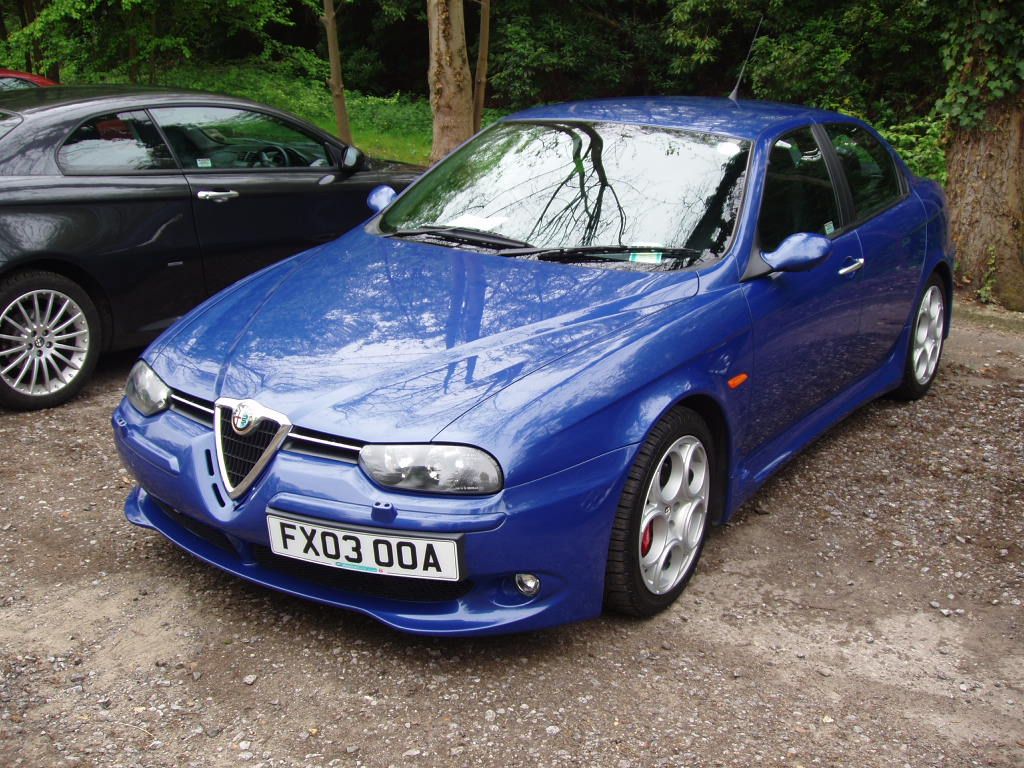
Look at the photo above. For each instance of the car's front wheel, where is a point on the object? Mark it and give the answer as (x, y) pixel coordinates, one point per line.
(49, 340)
(662, 518)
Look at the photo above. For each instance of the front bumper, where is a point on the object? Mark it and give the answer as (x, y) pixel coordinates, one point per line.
(557, 527)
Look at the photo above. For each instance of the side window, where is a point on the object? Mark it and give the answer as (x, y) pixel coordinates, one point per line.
(798, 192)
(15, 84)
(869, 168)
(119, 143)
(227, 139)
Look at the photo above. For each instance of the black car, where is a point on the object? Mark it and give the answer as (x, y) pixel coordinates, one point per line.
(120, 209)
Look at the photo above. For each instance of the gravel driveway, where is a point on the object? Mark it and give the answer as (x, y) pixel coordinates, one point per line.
(863, 610)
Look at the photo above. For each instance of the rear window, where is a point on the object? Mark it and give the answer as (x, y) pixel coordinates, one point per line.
(8, 123)
(125, 142)
(15, 84)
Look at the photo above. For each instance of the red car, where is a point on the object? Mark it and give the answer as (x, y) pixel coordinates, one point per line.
(10, 80)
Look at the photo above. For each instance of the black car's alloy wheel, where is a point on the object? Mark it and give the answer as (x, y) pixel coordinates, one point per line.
(49, 340)
(662, 519)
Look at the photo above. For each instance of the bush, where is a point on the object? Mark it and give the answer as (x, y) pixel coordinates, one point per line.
(919, 143)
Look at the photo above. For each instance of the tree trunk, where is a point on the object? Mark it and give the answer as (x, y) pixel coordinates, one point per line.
(480, 82)
(133, 46)
(986, 200)
(330, 21)
(451, 92)
(3, 26)
(27, 13)
(151, 59)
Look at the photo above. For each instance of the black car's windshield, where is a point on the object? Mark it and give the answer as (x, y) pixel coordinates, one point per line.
(585, 185)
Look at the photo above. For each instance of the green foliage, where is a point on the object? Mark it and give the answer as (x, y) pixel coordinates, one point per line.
(543, 51)
(920, 144)
(869, 57)
(875, 58)
(986, 294)
(397, 127)
(93, 39)
(983, 54)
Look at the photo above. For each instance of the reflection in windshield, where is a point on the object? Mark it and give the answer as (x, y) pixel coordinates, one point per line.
(577, 184)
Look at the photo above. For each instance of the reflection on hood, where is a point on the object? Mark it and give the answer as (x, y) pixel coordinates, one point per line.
(377, 339)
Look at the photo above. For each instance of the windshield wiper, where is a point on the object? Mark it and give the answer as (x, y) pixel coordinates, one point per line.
(463, 235)
(645, 254)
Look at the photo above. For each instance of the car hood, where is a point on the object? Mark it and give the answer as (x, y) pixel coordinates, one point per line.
(378, 339)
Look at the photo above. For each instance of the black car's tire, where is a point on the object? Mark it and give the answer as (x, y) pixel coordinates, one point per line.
(662, 519)
(924, 348)
(49, 340)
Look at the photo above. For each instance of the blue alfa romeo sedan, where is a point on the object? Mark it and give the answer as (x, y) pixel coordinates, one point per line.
(522, 392)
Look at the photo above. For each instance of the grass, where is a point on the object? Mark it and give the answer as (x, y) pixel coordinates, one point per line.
(395, 127)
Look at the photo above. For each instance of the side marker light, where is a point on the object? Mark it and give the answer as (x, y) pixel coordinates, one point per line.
(738, 380)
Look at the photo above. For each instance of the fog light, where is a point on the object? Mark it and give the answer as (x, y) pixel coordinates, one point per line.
(527, 584)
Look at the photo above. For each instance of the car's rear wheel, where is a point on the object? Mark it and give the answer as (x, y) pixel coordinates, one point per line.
(926, 338)
(662, 519)
(49, 340)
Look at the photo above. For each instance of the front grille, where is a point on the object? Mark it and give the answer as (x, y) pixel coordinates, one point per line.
(300, 439)
(193, 407)
(313, 443)
(240, 453)
(389, 587)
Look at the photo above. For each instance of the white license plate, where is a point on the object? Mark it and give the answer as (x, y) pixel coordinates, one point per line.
(364, 551)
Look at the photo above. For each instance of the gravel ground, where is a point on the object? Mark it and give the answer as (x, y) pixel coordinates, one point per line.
(863, 610)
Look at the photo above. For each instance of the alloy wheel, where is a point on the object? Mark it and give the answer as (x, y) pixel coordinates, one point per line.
(928, 335)
(674, 516)
(44, 340)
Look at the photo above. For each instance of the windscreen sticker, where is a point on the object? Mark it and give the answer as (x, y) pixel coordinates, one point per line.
(646, 257)
(829, 228)
(204, 162)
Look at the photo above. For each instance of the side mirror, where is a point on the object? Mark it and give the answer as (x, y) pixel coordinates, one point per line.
(380, 198)
(799, 253)
(351, 159)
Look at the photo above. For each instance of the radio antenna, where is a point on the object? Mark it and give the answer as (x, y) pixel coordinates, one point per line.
(736, 89)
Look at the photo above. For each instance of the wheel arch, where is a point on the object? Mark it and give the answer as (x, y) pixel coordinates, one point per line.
(946, 275)
(714, 415)
(80, 277)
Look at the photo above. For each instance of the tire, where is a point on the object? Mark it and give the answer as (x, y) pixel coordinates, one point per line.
(655, 544)
(49, 340)
(924, 349)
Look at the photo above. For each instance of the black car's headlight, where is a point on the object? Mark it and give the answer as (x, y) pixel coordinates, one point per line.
(432, 468)
(146, 391)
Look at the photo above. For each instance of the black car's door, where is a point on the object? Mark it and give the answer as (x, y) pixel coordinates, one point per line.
(804, 323)
(890, 223)
(122, 212)
(263, 188)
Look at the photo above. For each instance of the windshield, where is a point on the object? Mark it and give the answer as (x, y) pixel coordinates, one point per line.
(585, 185)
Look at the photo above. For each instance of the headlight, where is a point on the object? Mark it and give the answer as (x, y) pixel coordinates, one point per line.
(146, 391)
(432, 468)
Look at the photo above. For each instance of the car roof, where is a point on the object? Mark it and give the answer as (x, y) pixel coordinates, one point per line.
(32, 100)
(743, 119)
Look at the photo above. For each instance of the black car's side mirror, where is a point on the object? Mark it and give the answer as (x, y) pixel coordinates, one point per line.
(380, 198)
(351, 159)
(799, 253)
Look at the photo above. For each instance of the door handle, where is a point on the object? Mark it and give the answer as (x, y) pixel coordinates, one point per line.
(216, 196)
(849, 269)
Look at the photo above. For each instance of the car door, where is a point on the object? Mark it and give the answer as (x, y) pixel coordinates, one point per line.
(263, 187)
(890, 223)
(122, 211)
(804, 324)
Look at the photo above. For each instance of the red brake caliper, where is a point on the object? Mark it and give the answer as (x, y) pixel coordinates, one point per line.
(646, 539)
